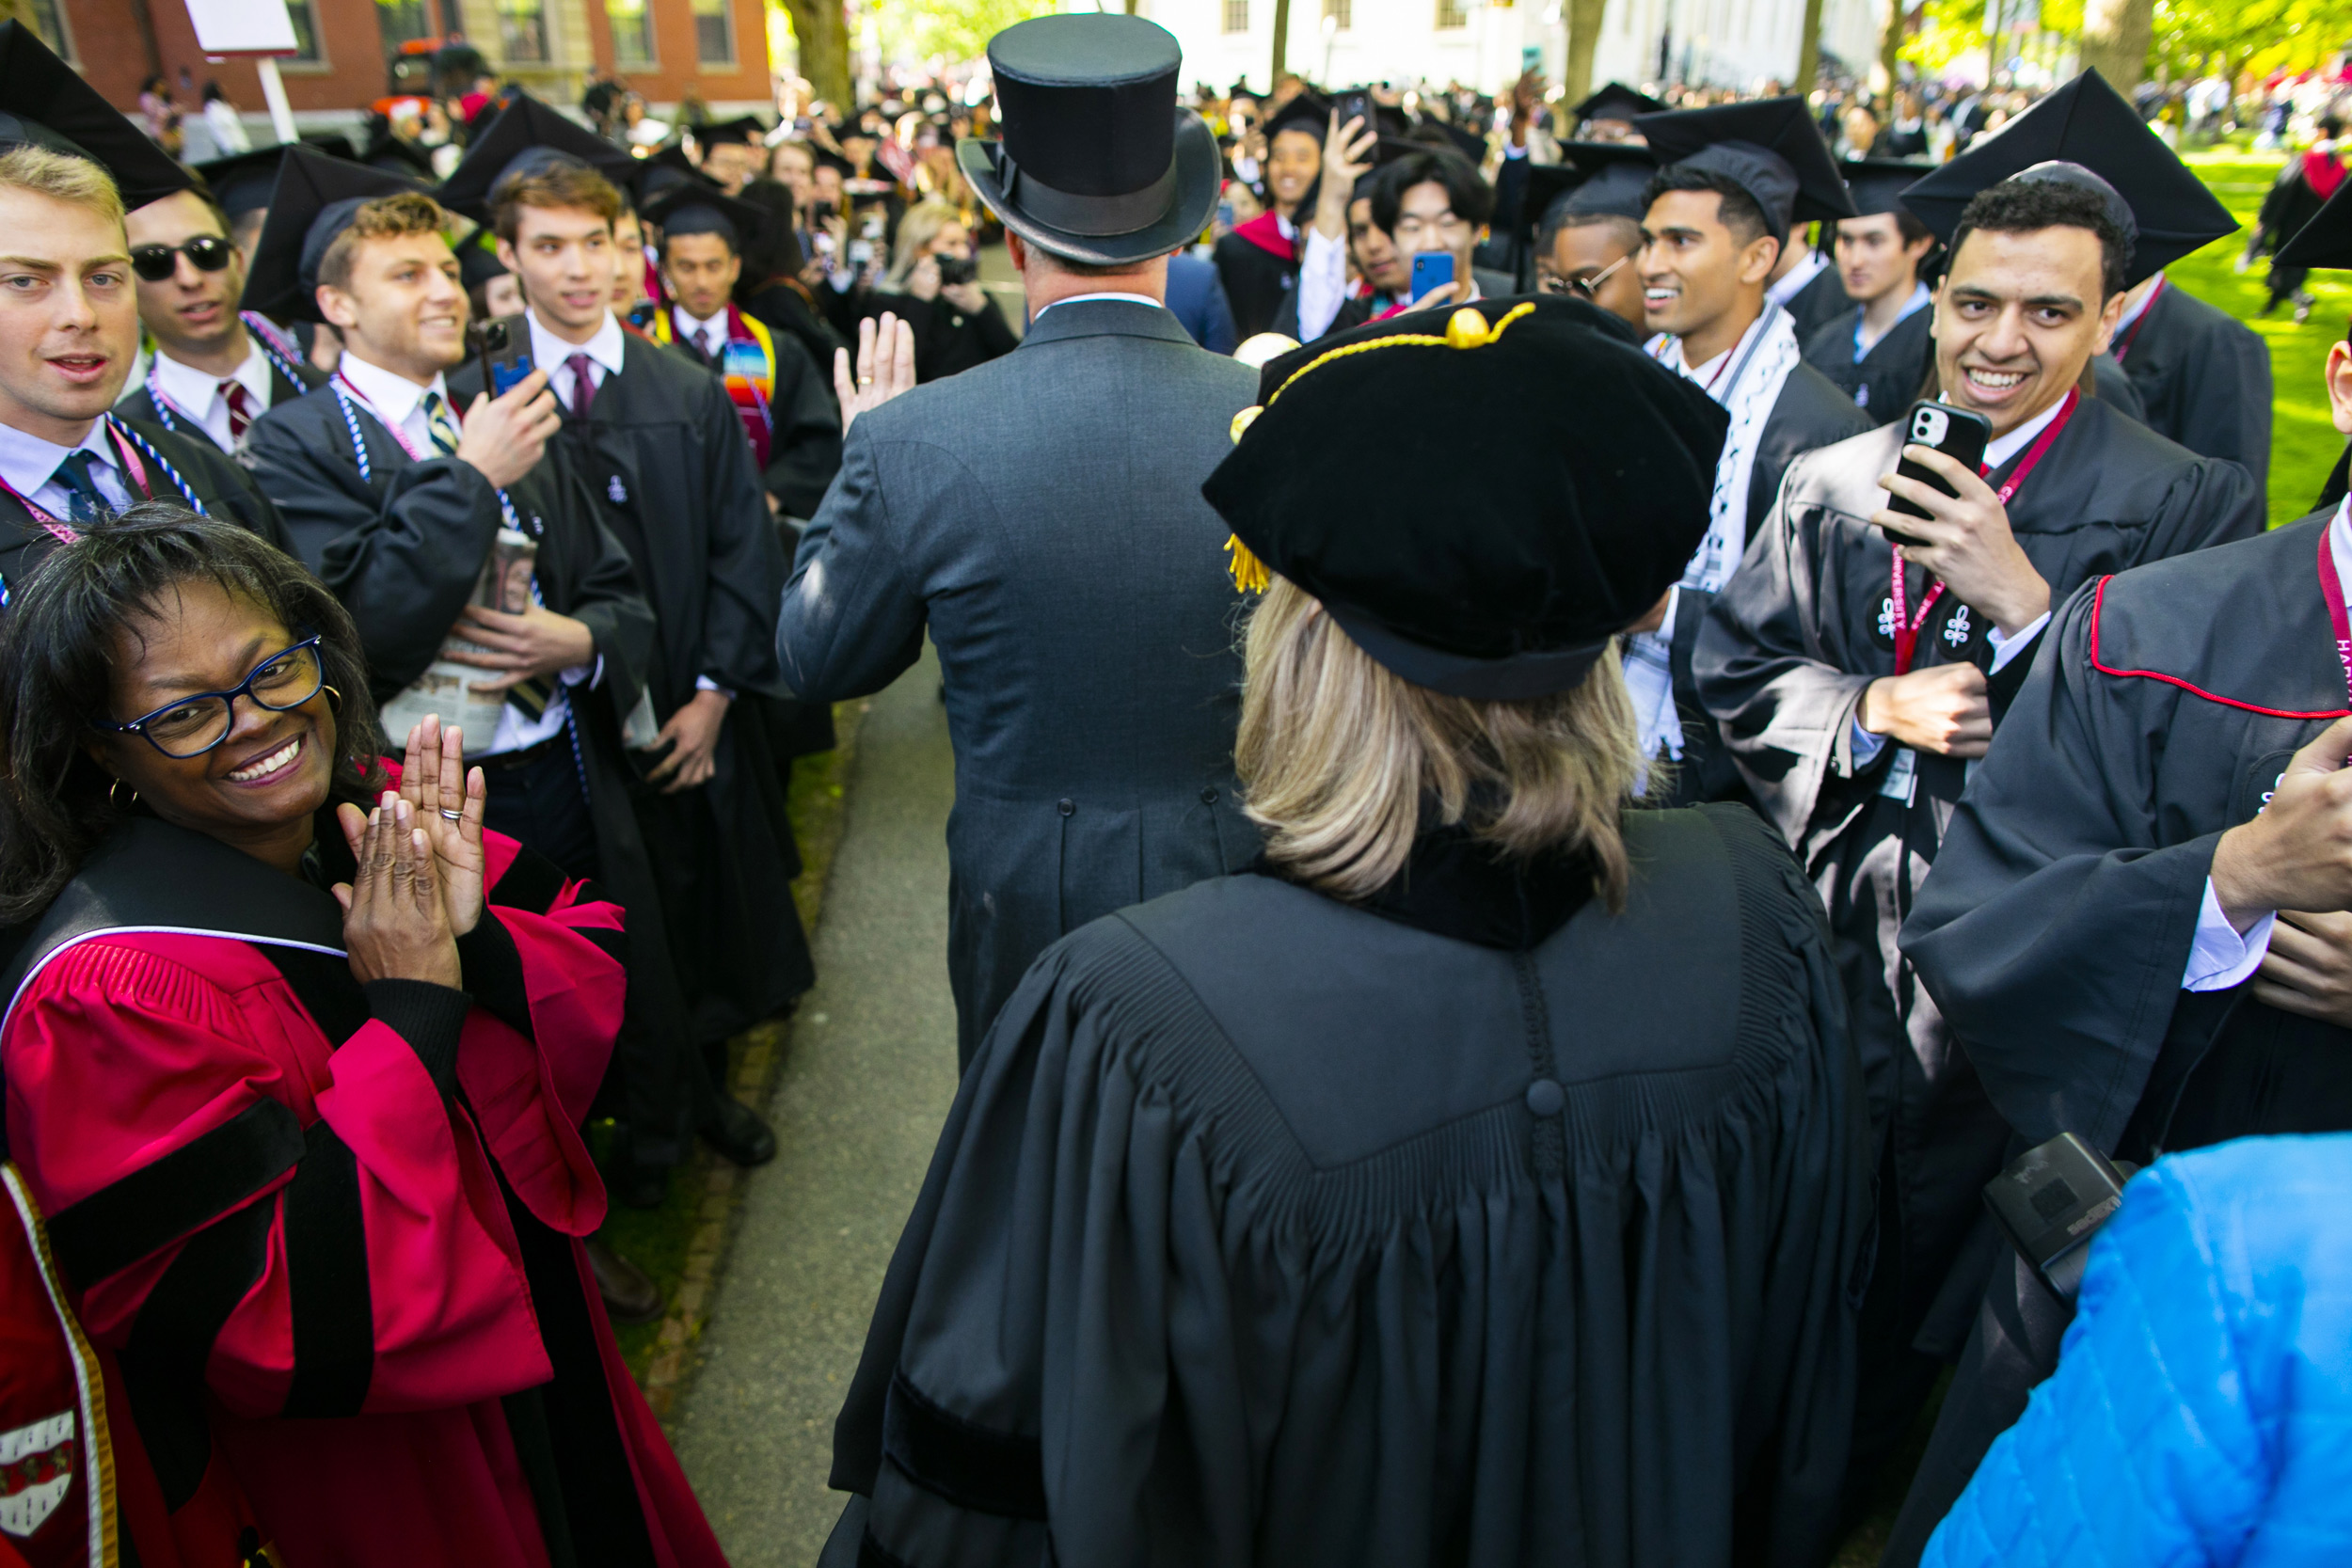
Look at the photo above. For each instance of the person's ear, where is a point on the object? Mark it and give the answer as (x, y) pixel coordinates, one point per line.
(2339, 386)
(506, 258)
(2110, 316)
(1758, 260)
(339, 307)
(1017, 251)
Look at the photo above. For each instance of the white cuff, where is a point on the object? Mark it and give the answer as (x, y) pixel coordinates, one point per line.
(2006, 648)
(2220, 958)
(1321, 284)
(591, 673)
(1866, 745)
(704, 683)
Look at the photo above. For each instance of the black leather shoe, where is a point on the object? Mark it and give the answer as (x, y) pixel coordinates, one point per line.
(629, 1293)
(640, 1186)
(739, 1133)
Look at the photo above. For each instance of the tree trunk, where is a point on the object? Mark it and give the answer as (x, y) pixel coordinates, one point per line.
(1883, 77)
(823, 33)
(1809, 51)
(1584, 24)
(2116, 35)
(1281, 44)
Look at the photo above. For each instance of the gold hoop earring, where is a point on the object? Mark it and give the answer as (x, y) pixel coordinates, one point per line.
(334, 697)
(111, 791)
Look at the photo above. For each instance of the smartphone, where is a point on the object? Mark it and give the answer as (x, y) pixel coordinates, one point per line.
(860, 252)
(505, 351)
(1431, 269)
(956, 269)
(1956, 433)
(641, 314)
(1225, 217)
(1355, 105)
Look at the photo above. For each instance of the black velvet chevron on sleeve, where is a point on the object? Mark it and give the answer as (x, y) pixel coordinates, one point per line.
(494, 972)
(180, 1192)
(327, 1280)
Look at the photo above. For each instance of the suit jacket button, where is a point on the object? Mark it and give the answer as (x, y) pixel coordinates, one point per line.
(1546, 1098)
(1068, 808)
(1208, 797)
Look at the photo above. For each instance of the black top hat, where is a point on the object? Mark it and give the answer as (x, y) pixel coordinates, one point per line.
(1502, 578)
(1098, 162)
(702, 208)
(525, 136)
(48, 104)
(2086, 125)
(1616, 102)
(1878, 183)
(1770, 148)
(315, 199)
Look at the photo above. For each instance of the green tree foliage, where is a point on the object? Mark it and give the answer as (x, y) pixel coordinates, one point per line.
(950, 30)
(2234, 37)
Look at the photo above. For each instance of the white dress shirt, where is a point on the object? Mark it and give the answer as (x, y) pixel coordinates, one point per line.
(196, 393)
(1797, 278)
(2221, 957)
(605, 351)
(690, 329)
(30, 463)
(1079, 299)
(396, 400)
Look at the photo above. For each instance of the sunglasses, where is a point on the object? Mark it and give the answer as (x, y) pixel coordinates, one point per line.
(156, 262)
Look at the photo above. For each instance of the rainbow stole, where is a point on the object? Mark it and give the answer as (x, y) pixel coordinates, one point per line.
(748, 363)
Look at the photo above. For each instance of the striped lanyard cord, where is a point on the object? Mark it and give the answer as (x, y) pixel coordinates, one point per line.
(350, 400)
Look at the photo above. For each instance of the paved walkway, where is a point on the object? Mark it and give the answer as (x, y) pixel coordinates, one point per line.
(867, 1082)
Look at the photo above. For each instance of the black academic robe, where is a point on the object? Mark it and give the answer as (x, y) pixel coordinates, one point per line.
(2113, 385)
(1819, 302)
(2203, 377)
(180, 469)
(139, 404)
(403, 549)
(1782, 664)
(663, 454)
(2059, 923)
(804, 426)
(946, 338)
(786, 307)
(1256, 282)
(1888, 379)
(1220, 1262)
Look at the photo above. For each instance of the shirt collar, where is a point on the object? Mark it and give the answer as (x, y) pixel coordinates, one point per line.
(2132, 313)
(26, 461)
(1705, 374)
(1797, 277)
(394, 396)
(1080, 299)
(606, 348)
(2340, 539)
(2002, 447)
(692, 325)
(193, 389)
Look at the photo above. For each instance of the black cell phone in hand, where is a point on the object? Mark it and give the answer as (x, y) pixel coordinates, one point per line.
(1355, 105)
(1956, 433)
(505, 350)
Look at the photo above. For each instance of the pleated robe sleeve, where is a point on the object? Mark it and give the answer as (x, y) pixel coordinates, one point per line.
(380, 1271)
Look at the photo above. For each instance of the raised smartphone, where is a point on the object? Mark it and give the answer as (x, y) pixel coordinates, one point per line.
(1956, 433)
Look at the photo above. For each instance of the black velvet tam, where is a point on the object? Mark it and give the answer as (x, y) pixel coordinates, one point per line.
(1481, 498)
(2086, 122)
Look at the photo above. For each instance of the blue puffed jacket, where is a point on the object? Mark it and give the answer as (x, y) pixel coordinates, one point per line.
(2201, 1412)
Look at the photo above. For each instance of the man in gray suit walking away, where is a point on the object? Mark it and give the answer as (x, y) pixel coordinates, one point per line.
(1043, 513)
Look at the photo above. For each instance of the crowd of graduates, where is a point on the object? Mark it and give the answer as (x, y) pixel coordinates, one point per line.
(424, 563)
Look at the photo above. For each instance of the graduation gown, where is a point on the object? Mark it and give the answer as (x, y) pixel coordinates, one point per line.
(804, 426)
(402, 546)
(1782, 664)
(187, 470)
(2204, 378)
(663, 457)
(1818, 303)
(1885, 381)
(327, 1235)
(788, 308)
(946, 338)
(2113, 386)
(2059, 923)
(1260, 269)
(1220, 1262)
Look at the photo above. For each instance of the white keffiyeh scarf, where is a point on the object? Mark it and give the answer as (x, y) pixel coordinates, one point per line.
(1747, 383)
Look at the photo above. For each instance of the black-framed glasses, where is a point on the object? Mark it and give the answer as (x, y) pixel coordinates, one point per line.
(191, 726)
(1585, 287)
(156, 262)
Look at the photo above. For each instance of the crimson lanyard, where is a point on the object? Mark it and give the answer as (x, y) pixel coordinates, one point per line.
(2146, 310)
(1907, 626)
(2332, 586)
(60, 530)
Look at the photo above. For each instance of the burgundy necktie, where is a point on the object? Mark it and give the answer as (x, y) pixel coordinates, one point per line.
(583, 383)
(711, 349)
(240, 409)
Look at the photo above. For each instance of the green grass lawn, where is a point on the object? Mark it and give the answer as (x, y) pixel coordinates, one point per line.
(2303, 444)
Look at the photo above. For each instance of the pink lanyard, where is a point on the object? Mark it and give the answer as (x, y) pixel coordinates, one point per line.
(1907, 625)
(345, 383)
(58, 529)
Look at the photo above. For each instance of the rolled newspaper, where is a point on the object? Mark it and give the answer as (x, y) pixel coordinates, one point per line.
(447, 686)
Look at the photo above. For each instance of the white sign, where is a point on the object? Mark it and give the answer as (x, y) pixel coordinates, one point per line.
(243, 27)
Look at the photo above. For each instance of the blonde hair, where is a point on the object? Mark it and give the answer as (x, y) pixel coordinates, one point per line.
(62, 176)
(916, 230)
(1336, 756)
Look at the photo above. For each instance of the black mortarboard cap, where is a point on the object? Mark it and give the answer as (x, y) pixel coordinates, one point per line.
(702, 208)
(316, 199)
(2327, 240)
(334, 143)
(1616, 102)
(1309, 112)
(392, 155)
(665, 171)
(1503, 579)
(1877, 184)
(744, 130)
(241, 182)
(2088, 124)
(477, 263)
(1771, 148)
(524, 136)
(44, 102)
(1599, 177)
(835, 162)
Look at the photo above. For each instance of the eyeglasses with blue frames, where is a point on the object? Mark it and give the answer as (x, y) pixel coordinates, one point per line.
(191, 726)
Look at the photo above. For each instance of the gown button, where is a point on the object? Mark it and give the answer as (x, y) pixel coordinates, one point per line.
(1208, 797)
(1068, 808)
(1546, 1098)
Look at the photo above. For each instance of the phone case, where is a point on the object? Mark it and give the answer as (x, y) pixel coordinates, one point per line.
(1956, 433)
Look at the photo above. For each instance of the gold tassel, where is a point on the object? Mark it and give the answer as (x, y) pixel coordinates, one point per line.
(1250, 573)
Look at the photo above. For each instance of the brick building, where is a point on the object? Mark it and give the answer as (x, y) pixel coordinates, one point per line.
(719, 48)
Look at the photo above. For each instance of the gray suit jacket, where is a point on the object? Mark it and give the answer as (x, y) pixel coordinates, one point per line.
(1043, 513)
